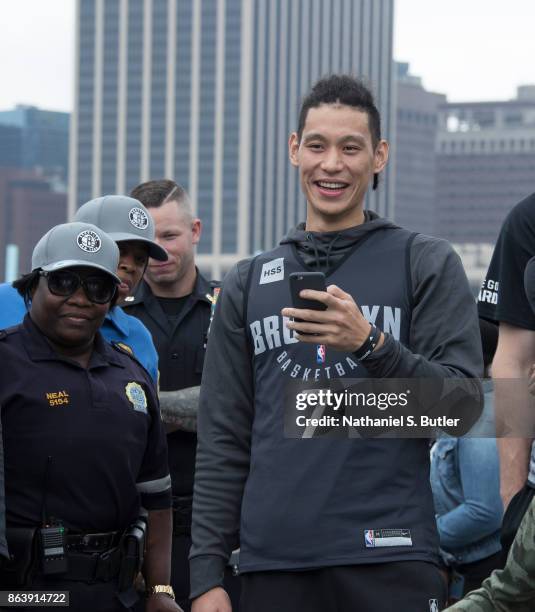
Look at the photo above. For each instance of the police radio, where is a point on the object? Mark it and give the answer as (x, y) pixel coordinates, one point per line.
(52, 538)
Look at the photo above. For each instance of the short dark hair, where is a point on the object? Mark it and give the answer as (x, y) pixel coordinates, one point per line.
(153, 194)
(347, 90)
(25, 285)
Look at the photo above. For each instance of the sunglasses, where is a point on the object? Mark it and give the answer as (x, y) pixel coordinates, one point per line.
(99, 289)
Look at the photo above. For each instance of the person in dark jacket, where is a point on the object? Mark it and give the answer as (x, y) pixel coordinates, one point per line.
(175, 304)
(327, 523)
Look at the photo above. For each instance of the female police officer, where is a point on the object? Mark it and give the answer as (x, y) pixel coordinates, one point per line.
(129, 223)
(83, 442)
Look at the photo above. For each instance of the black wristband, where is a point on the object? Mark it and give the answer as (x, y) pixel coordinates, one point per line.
(368, 346)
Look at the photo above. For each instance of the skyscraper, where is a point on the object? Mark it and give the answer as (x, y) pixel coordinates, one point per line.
(485, 165)
(416, 161)
(31, 137)
(206, 92)
(34, 153)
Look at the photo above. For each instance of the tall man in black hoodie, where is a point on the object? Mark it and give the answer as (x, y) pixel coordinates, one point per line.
(327, 524)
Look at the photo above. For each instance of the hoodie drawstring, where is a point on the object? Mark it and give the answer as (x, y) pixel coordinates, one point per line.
(314, 243)
(315, 247)
(329, 249)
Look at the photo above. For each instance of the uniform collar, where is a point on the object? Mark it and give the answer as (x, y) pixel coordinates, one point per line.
(118, 319)
(201, 291)
(39, 348)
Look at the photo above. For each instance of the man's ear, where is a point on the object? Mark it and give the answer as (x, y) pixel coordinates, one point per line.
(196, 230)
(293, 149)
(380, 156)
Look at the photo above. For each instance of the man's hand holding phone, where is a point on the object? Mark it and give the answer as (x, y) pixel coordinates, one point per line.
(339, 324)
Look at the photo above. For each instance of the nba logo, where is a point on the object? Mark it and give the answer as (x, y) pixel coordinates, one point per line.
(320, 353)
(433, 605)
(369, 538)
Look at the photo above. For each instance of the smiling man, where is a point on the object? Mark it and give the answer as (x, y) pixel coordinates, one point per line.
(327, 524)
(175, 304)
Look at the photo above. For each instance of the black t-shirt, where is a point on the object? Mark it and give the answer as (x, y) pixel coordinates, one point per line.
(502, 296)
(173, 307)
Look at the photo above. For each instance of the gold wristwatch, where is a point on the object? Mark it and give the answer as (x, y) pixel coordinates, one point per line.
(166, 589)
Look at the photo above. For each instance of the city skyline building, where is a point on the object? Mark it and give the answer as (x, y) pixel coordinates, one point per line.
(34, 157)
(485, 165)
(30, 204)
(416, 160)
(32, 137)
(207, 93)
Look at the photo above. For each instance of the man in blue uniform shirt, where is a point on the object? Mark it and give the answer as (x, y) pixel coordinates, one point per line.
(127, 221)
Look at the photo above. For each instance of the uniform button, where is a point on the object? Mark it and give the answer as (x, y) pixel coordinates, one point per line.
(174, 356)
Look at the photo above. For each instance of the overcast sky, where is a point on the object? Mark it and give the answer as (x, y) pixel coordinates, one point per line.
(467, 49)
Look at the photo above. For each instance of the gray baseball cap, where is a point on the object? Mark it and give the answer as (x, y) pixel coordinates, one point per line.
(76, 244)
(122, 218)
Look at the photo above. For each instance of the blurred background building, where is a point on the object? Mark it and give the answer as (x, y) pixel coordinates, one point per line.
(34, 138)
(416, 162)
(461, 167)
(34, 152)
(485, 165)
(207, 93)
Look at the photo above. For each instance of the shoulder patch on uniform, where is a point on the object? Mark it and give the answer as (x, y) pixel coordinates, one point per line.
(125, 349)
(4, 333)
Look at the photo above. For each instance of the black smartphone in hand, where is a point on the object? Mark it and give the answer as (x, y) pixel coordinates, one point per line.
(307, 280)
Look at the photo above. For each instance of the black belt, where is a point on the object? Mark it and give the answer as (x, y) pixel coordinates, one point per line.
(94, 567)
(93, 542)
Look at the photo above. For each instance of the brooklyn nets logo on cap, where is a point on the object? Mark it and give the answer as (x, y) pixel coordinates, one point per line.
(89, 241)
(138, 218)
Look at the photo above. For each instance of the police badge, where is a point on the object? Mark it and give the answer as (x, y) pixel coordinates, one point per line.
(137, 397)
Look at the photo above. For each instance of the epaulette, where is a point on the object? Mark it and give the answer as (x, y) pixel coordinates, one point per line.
(4, 333)
(127, 350)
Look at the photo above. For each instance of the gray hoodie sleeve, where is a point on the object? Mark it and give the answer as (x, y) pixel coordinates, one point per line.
(444, 340)
(225, 418)
(444, 332)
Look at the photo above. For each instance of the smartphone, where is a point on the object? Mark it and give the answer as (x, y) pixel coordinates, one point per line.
(307, 280)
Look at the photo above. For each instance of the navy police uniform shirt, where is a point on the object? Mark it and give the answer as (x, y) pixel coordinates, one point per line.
(100, 426)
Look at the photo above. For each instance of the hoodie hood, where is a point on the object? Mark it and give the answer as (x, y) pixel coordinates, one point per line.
(322, 251)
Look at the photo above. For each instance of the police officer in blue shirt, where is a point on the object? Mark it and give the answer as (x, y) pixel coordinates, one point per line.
(127, 221)
(83, 440)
